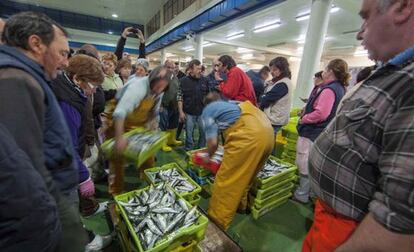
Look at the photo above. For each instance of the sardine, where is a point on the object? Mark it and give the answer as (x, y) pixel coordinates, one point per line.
(154, 229)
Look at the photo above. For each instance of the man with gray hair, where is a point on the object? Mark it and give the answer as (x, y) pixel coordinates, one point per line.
(35, 48)
(169, 109)
(361, 167)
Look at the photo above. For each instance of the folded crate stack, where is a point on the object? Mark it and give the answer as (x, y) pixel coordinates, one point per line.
(177, 179)
(272, 187)
(291, 136)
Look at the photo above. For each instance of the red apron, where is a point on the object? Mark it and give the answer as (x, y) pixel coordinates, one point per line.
(329, 230)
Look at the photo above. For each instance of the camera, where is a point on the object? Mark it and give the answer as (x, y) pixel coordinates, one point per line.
(134, 30)
(190, 36)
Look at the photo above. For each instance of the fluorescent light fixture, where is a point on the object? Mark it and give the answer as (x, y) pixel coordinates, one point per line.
(110, 32)
(267, 27)
(243, 50)
(334, 9)
(189, 49)
(208, 44)
(361, 53)
(247, 56)
(114, 15)
(303, 17)
(235, 35)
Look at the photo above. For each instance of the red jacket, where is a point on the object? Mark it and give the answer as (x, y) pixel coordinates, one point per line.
(238, 86)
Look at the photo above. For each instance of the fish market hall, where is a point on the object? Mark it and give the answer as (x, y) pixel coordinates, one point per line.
(200, 125)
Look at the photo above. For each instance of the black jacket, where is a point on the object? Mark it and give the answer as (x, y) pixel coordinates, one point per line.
(29, 219)
(193, 92)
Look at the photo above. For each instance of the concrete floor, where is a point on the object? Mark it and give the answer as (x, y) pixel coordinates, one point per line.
(282, 229)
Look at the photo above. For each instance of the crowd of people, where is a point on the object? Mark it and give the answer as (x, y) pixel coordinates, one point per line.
(353, 152)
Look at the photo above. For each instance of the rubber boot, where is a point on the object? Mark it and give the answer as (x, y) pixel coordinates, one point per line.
(166, 148)
(172, 140)
(302, 192)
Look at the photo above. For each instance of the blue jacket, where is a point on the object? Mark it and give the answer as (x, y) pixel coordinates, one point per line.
(29, 219)
(312, 131)
(258, 83)
(58, 150)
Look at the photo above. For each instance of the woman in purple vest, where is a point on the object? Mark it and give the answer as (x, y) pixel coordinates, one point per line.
(318, 112)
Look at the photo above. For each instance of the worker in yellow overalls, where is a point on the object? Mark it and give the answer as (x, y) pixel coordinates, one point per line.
(248, 143)
(136, 105)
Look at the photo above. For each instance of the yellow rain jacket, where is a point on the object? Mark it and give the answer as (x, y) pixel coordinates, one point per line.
(248, 144)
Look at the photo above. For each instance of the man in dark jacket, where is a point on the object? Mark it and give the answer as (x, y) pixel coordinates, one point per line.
(258, 80)
(28, 213)
(35, 48)
(169, 109)
(193, 89)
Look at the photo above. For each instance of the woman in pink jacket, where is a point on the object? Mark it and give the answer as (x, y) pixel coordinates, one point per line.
(319, 111)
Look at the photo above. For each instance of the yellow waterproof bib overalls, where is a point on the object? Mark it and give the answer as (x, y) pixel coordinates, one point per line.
(248, 144)
(137, 118)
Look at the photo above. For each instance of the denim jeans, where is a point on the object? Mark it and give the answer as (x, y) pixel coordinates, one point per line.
(191, 122)
(169, 118)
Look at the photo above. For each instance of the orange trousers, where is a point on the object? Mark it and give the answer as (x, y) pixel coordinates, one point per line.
(329, 230)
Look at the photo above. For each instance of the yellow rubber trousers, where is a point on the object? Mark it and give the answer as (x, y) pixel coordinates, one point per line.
(137, 118)
(248, 144)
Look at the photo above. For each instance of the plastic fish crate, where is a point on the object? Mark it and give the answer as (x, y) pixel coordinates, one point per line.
(187, 196)
(268, 182)
(195, 201)
(174, 240)
(261, 203)
(256, 213)
(190, 246)
(198, 170)
(264, 193)
(199, 180)
(137, 158)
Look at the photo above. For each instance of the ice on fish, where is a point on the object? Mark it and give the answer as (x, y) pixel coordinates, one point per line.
(154, 222)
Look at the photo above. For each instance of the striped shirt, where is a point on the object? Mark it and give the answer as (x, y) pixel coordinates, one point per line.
(364, 160)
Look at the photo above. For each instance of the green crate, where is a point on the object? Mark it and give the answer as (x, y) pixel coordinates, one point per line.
(195, 201)
(133, 157)
(258, 213)
(268, 182)
(200, 171)
(262, 203)
(264, 193)
(174, 240)
(188, 196)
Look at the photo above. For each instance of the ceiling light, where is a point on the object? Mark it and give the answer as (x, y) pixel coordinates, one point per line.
(189, 49)
(334, 9)
(267, 27)
(303, 17)
(243, 50)
(208, 44)
(235, 35)
(361, 53)
(110, 32)
(247, 56)
(114, 15)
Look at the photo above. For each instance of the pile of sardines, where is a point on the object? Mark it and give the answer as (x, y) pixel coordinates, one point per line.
(174, 179)
(156, 213)
(271, 168)
(141, 141)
